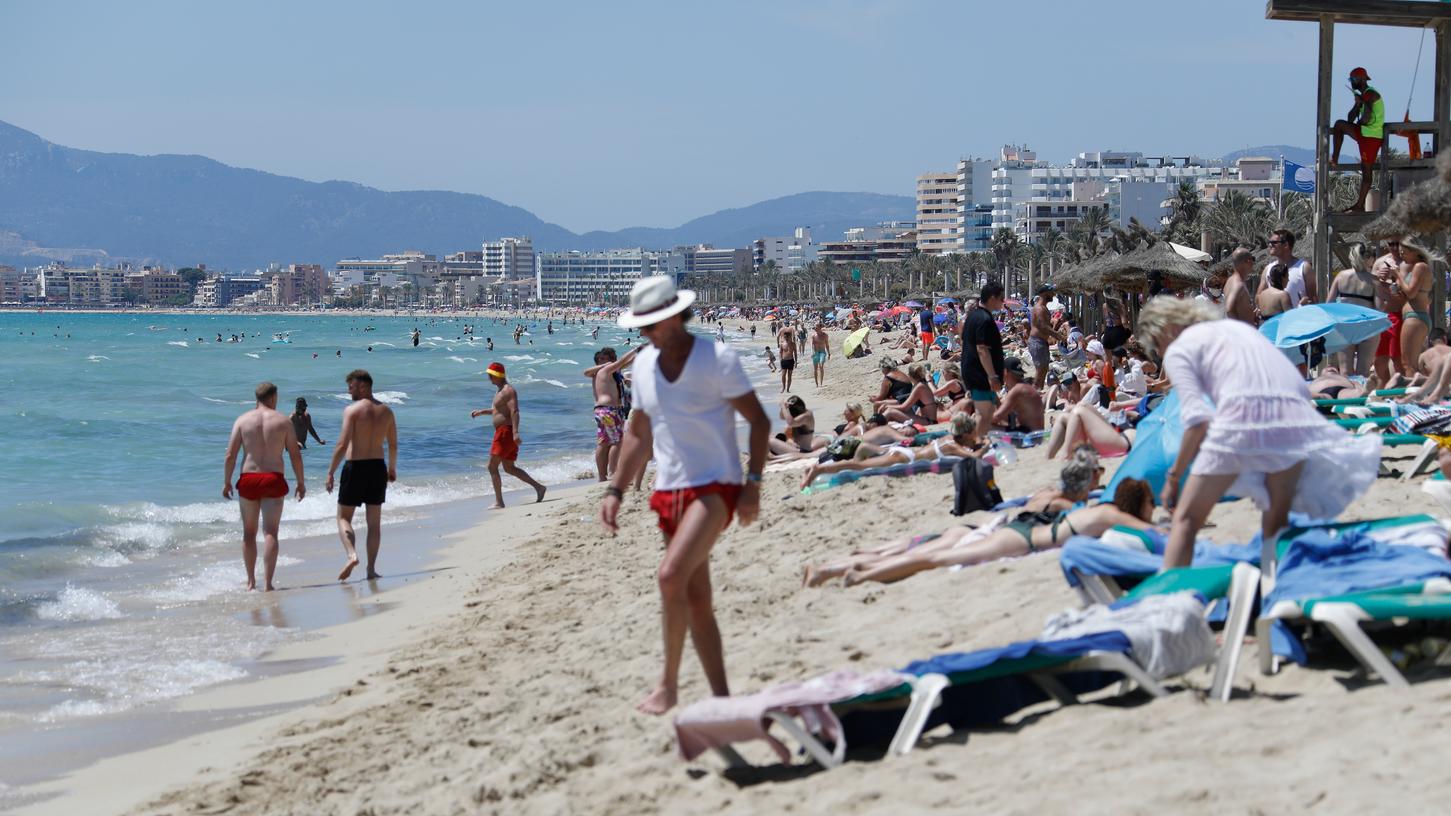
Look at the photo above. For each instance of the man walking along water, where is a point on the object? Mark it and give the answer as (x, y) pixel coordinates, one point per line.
(504, 450)
(982, 353)
(263, 433)
(786, 342)
(820, 353)
(687, 392)
(367, 425)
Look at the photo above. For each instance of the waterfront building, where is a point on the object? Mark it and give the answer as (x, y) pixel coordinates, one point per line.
(219, 291)
(600, 277)
(299, 285)
(706, 260)
(973, 231)
(789, 252)
(1255, 176)
(10, 284)
(937, 212)
(887, 242)
(155, 286)
(511, 258)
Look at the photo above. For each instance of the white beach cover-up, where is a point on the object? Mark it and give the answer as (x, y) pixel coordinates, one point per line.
(1263, 420)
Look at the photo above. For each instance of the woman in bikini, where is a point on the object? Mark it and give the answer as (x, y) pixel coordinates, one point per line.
(963, 442)
(1132, 507)
(1414, 278)
(1356, 286)
(1084, 424)
(920, 404)
(952, 397)
(895, 385)
(800, 434)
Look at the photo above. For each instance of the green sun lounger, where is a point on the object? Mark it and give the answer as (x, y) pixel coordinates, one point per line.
(1343, 614)
(1385, 392)
(1355, 423)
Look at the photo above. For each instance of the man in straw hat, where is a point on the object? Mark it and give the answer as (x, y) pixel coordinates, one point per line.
(505, 448)
(687, 393)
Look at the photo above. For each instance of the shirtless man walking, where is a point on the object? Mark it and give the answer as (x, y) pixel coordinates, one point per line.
(505, 449)
(1040, 335)
(820, 353)
(609, 411)
(786, 342)
(367, 425)
(264, 433)
(1237, 301)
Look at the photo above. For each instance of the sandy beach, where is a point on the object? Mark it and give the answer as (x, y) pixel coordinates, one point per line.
(508, 684)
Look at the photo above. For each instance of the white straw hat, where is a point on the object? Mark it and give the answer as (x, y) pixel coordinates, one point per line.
(652, 300)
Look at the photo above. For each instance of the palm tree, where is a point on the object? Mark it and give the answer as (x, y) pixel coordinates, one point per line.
(1053, 244)
(1089, 228)
(1185, 206)
(1239, 220)
(1005, 242)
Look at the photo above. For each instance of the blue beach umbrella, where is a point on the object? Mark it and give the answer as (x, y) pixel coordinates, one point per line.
(1341, 324)
(939, 319)
(912, 304)
(941, 301)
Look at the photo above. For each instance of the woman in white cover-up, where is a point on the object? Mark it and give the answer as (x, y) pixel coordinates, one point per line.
(1250, 427)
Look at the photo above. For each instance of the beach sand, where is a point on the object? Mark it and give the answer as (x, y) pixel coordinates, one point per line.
(511, 689)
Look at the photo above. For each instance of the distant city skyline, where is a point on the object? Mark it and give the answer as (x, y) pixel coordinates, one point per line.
(604, 116)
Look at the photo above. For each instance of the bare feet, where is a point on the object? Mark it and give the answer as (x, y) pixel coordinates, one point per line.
(373, 576)
(810, 476)
(660, 701)
(539, 490)
(498, 506)
(269, 588)
(347, 569)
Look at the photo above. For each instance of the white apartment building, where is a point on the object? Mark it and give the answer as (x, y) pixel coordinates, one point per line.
(789, 252)
(937, 205)
(510, 258)
(412, 267)
(1255, 176)
(599, 277)
(973, 231)
(1022, 180)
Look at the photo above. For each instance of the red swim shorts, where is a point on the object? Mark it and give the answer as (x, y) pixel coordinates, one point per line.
(259, 486)
(1390, 339)
(1369, 148)
(670, 505)
(927, 338)
(505, 446)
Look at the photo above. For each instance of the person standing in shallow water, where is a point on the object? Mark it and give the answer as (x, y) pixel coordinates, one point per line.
(263, 434)
(367, 426)
(504, 451)
(302, 423)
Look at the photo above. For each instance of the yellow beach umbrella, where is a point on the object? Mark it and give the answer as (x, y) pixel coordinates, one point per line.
(853, 340)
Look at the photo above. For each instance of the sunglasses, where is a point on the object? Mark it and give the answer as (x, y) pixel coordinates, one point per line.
(1395, 244)
(1275, 243)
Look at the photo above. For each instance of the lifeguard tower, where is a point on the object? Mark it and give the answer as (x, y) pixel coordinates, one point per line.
(1401, 172)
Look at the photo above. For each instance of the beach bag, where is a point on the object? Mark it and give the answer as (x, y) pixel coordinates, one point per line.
(974, 487)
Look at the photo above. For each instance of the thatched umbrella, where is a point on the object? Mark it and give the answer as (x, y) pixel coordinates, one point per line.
(1425, 208)
(1130, 271)
(1066, 279)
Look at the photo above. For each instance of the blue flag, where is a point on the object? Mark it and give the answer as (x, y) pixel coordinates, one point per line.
(1298, 178)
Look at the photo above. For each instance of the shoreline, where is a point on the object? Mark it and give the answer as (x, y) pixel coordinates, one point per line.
(299, 676)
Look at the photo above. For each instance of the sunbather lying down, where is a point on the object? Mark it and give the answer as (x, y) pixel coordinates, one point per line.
(1331, 384)
(963, 442)
(1133, 506)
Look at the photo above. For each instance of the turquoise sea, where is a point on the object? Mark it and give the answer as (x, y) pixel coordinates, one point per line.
(120, 569)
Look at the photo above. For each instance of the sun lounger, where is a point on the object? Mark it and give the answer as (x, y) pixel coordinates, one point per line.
(1360, 423)
(1385, 392)
(1019, 439)
(1323, 567)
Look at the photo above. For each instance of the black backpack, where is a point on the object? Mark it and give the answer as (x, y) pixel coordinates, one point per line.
(974, 487)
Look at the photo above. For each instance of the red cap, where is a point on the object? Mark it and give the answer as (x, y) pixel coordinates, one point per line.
(496, 370)
(1359, 73)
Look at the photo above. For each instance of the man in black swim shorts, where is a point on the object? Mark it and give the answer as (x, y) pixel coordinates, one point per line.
(368, 425)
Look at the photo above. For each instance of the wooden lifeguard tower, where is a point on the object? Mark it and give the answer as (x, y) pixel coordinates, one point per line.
(1401, 172)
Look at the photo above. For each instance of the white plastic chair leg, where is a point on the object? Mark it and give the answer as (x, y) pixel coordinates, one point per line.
(1241, 597)
(926, 694)
(827, 759)
(1050, 686)
(1423, 459)
(1116, 662)
(1343, 621)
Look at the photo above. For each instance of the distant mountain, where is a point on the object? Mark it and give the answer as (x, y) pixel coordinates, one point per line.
(1298, 155)
(60, 203)
(828, 214)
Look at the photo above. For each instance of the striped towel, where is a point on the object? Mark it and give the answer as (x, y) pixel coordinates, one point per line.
(1433, 419)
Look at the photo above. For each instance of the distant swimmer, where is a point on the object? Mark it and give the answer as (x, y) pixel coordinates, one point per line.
(490, 343)
(263, 434)
(415, 338)
(504, 451)
(367, 426)
(302, 423)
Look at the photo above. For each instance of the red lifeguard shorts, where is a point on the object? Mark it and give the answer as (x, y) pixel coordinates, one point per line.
(505, 446)
(1390, 339)
(259, 486)
(1369, 148)
(670, 505)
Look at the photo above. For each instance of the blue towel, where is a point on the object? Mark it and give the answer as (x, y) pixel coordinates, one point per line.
(1319, 564)
(1092, 557)
(954, 662)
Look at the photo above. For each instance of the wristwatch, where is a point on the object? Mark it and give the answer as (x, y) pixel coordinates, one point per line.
(753, 478)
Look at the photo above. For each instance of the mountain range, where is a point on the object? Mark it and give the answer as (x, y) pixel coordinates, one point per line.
(82, 206)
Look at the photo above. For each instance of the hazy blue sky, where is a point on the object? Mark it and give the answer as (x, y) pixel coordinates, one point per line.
(599, 115)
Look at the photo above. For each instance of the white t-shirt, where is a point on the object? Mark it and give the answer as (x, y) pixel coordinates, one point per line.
(693, 425)
(1295, 282)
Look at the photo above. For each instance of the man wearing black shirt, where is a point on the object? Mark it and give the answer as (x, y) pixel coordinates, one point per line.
(982, 353)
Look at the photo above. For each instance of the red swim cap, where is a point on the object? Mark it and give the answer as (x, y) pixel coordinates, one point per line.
(496, 370)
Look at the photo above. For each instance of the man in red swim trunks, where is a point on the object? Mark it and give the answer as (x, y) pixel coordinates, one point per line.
(505, 449)
(263, 433)
(688, 390)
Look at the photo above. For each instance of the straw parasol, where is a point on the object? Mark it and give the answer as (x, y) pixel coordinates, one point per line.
(1425, 208)
(1130, 271)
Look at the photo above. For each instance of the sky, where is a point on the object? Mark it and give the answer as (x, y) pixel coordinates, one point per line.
(603, 115)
